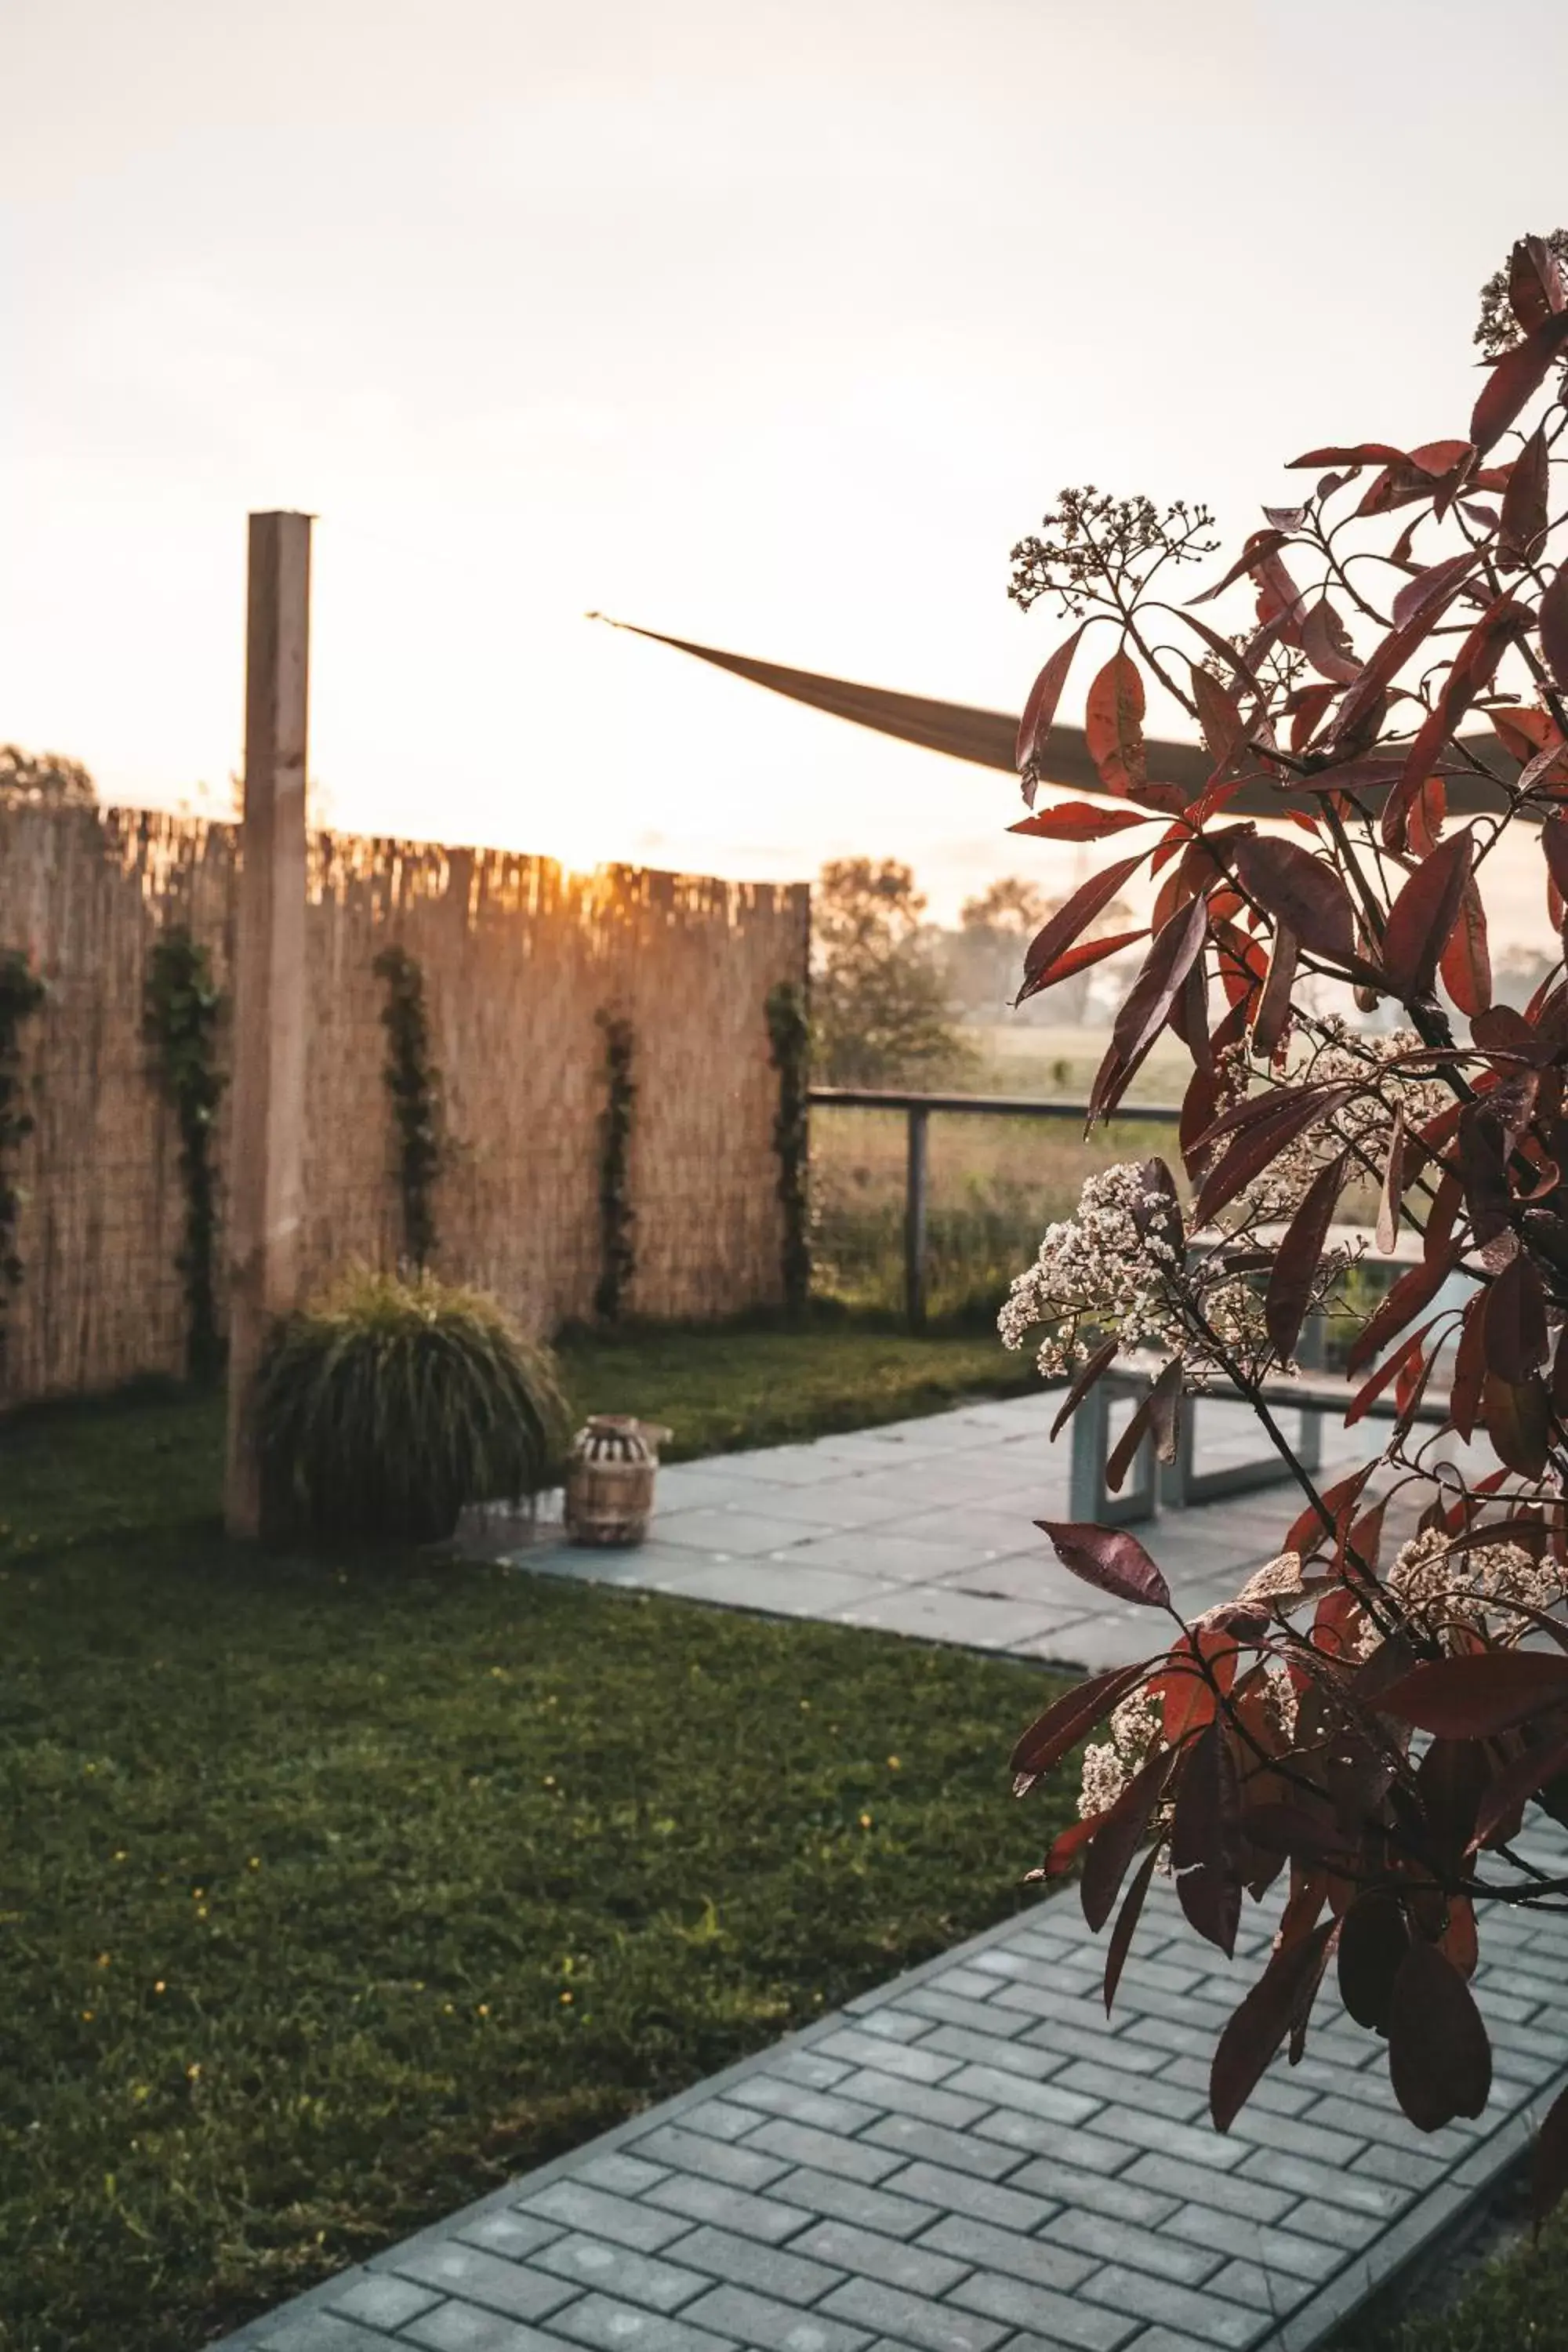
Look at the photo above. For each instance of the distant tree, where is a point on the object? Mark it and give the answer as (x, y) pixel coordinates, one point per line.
(881, 1006)
(986, 953)
(43, 780)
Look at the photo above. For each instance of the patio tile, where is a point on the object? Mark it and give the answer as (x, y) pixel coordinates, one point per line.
(738, 1534)
(778, 1588)
(874, 1551)
(934, 1614)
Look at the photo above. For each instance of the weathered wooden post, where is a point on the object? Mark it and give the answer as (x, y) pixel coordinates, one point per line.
(915, 1219)
(267, 1152)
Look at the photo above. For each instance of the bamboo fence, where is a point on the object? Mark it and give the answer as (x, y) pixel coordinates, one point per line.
(518, 958)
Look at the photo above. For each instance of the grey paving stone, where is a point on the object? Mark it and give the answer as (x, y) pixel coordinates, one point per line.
(611, 2326)
(767, 1585)
(1356, 2191)
(929, 1612)
(732, 1532)
(910, 2319)
(852, 2201)
(903, 1559)
(1285, 2249)
(1145, 2249)
(767, 2326)
(982, 2201)
(714, 2159)
(908, 2136)
(1299, 2135)
(470, 2273)
(1105, 2047)
(982, 2246)
(970, 2016)
(729, 2209)
(1155, 2095)
(959, 2043)
(934, 2104)
(1282, 2097)
(464, 2327)
(826, 2110)
(600, 2215)
(891, 2023)
(620, 2271)
(919, 2062)
(1033, 2136)
(1019, 2303)
(1364, 2120)
(1139, 2297)
(718, 2119)
(1066, 2183)
(612, 2169)
(865, 2253)
(857, 2160)
(811, 2068)
(1272, 2293)
(1056, 2101)
(1345, 2232)
(742, 2262)
(381, 2302)
(322, 2331)
(504, 2232)
(1405, 2167)
(1248, 2199)
(1184, 2140)
(965, 1983)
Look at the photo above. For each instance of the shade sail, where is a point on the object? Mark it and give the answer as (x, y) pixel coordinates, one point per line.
(987, 738)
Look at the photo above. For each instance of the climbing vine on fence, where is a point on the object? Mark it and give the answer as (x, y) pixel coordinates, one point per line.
(617, 1253)
(413, 1082)
(21, 994)
(789, 1032)
(183, 1011)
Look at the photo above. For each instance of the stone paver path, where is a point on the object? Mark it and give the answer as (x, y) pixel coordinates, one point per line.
(927, 1528)
(973, 2159)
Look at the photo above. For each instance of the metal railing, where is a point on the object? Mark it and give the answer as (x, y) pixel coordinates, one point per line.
(917, 1109)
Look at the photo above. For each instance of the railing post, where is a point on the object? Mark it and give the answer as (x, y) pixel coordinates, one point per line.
(267, 1152)
(915, 1219)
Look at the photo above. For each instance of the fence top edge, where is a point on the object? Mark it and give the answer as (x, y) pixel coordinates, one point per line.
(991, 1105)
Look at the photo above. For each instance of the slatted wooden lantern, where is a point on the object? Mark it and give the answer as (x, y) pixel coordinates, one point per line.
(609, 1479)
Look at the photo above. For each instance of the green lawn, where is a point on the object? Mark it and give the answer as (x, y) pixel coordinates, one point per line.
(1518, 2302)
(335, 1892)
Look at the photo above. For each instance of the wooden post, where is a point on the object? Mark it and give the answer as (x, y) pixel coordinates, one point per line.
(267, 1152)
(915, 1219)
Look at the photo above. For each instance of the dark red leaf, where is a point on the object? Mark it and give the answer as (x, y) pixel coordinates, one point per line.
(1126, 1924)
(1113, 725)
(1515, 1321)
(1258, 2026)
(1514, 379)
(1298, 889)
(1299, 1256)
(1534, 282)
(1522, 532)
(1273, 1004)
(1077, 959)
(1156, 1414)
(1109, 1557)
(1071, 920)
(1065, 1723)
(1123, 1831)
(1253, 1151)
(1419, 590)
(1516, 1785)
(1422, 916)
(1084, 1380)
(1077, 821)
(1484, 1170)
(1219, 715)
(1469, 1378)
(1415, 1289)
(1401, 1365)
(1259, 547)
(1466, 963)
(1477, 1697)
(1365, 453)
(1517, 1419)
(1326, 641)
(1374, 1940)
(1035, 726)
(1206, 1839)
(1388, 1207)
(1434, 591)
(1148, 1004)
(1553, 619)
(1439, 2060)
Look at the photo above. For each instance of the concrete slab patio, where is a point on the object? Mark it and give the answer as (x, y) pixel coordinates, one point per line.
(926, 1528)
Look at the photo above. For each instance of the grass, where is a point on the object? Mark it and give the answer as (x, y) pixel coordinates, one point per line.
(337, 1891)
(1517, 2302)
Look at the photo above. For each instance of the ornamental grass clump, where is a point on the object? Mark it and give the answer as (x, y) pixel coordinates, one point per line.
(392, 1401)
(1373, 1726)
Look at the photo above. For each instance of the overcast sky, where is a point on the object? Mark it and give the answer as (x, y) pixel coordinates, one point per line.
(769, 325)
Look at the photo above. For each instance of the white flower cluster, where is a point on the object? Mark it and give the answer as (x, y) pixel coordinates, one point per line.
(1108, 1765)
(1440, 1589)
(1103, 1270)
(1365, 1124)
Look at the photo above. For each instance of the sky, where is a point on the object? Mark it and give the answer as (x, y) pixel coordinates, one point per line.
(771, 326)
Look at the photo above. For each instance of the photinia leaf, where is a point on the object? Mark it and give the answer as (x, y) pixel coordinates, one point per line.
(1516, 1785)
(1084, 1380)
(1374, 1940)
(1262, 1143)
(1522, 529)
(1517, 1419)
(1534, 282)
(1365, 453)
(1422, 916)
(1077, 959)
(1549, 2173)
(1553, 619)
(1273, 1004)
(1439, 2060)
(1388, 1207)
(1434, 593)
(1298, 889)
(1071, 920)
(1418, 591)
(1109, 1557)
(1219, 715)
(1206, 1839)
(1040, 710)
(1126, 1924)
(1466, 962)
(1476, 1698)
(1515, 1321)
(1157, 1412)
(1415, 1289)
(1113, 725)
(1148, 1004)
(1064, 1723)
(1299, 1256)
(1514, 379)
(1326, 641)
(1077, 821)
(1202, 1661)
(1258, 2026)
(1259, 547)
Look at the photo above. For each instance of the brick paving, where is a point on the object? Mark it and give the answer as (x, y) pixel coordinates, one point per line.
(972, 2158)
